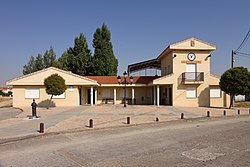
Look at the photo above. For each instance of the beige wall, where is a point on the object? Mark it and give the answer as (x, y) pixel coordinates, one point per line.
(19, 100)
(167, 64)
(202, 62)
(222, 101)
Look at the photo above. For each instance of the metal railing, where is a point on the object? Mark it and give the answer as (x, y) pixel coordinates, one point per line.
(192, 76)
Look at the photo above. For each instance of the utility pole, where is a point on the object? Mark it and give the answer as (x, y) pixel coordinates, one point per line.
(232, 66)
(232, 63)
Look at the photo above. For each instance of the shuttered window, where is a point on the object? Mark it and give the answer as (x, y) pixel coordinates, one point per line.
(32, 93)
(215, 92)
(191, 92)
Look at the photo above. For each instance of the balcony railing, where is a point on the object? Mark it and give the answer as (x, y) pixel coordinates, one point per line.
(192, 76)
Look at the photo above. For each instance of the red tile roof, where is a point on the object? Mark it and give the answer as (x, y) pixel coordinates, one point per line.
(113, 79)
(5, 88)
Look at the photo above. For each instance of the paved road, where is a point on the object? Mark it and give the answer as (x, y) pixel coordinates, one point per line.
(220, 142)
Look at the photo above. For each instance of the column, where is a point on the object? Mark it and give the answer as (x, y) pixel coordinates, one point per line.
(158, 95)
(154, 95)
(95, 96)
(114, 95)
(91, 96)
(133, 95)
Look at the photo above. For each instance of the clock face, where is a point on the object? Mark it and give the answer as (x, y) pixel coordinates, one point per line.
(191, 56)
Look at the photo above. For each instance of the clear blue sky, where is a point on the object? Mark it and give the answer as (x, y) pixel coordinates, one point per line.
(140, 29)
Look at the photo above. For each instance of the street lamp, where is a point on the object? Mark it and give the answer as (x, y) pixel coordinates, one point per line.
(125, 82)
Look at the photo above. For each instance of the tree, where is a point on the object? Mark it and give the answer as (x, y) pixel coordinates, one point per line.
(55, 85)
(235, 81)
(40, 62)
(30, 67)
(77, 59)
(104, 61)
(49, 58)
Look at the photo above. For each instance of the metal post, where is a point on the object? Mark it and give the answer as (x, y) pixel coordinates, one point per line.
(208, 114)
(128, 120)
(182, 115)
(41, 128)
(238, 112)
(91, 123)
(224, 112)
(232, 63)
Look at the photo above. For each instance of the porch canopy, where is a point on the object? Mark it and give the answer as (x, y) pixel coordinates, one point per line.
(148, 64)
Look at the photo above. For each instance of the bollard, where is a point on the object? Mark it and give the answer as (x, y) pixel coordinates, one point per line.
(238, 112)
(157, 119)
(224, 112)
(41, 128)
(249, 111)
(128, 120)
(182, 115)
(91, 123)
(208, 114)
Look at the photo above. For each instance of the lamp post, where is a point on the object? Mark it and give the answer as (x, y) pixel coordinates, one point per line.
(125, 82)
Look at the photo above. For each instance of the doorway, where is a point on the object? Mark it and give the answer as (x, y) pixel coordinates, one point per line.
(170, 96)
(191, 72)
(168, 92)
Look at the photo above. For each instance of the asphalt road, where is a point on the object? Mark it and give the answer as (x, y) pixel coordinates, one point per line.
(217, 142)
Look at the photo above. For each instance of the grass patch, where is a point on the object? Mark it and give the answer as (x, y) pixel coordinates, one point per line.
(245, 104)
(5, 98)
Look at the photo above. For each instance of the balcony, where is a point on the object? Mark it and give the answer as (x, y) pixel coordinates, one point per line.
(192, 77)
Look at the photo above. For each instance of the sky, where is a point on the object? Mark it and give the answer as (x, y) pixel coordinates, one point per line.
(140, 29)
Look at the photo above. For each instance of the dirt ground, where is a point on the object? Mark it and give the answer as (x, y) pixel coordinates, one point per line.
(5, 102)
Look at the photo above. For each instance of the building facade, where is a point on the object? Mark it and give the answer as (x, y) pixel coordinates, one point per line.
(185, 81)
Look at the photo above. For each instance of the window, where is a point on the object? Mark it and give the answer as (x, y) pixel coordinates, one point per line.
(61, 96)
(32, 93)
(215, 92)
(191, 92)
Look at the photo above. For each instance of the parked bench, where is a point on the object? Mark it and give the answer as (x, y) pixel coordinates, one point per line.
(108, 100)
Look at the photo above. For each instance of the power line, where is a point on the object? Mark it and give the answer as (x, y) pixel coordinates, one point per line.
(240, 53)
(244, 56)
(243, 42)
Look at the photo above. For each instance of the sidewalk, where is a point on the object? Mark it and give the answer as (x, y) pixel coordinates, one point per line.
(61, 119)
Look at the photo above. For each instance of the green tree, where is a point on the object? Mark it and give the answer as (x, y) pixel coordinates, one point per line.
(77, 59)
(55, 85)
(30, 66)
(40, 62)
(235, 81)
(104, 61)
(49, 58)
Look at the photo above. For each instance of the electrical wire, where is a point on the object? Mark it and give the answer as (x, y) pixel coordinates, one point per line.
(240, 53)
(243, 42)
(244, 56)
